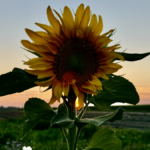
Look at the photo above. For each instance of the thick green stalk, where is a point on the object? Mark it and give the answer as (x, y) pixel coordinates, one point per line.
(72, 132)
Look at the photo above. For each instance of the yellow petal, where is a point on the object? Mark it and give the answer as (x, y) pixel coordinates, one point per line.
(41, 66)
(37, 61)
(100, 74)
(46, 28)
(53, 98)
(29, 45)
(59, 16)
(99, 27)
(50, 38)
(44, 35)
(87, 90)
(114, 65)
(75, 89)
(48, 56)
(105, 56)
(101, 42)
(46, 83)
(119, 56)
(57, 86)
(79, 34)
(80, 100)
(89, 86)
(110, 31)
(53, 48)
(85, 19)
(79, 14)
(68, 18)
(99, 87)
(46, 74)
(93, 23)
(109, 70)
(66, 88)
(41, 47)
(108, 48)
(94, 80)
(53, 21)
(35, 37)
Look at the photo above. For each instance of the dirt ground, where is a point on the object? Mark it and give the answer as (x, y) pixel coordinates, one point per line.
(131, 120)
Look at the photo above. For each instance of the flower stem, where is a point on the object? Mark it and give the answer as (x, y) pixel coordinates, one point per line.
(72, 115)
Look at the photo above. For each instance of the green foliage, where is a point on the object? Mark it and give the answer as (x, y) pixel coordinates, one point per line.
(52, 138)
(63, 147)
(105, 140)
(97, 121)
(133, 57)
(117, 89)
(62, 120)
(36, 109)
(16, 81)
(62, 109)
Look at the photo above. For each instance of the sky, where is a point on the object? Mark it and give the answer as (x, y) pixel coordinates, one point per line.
(130, 18)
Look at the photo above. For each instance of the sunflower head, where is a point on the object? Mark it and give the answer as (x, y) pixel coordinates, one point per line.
(72, 53)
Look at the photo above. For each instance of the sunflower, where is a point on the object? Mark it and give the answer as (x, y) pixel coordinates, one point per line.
(71, 53)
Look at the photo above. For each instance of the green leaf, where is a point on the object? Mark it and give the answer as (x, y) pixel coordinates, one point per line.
(31, 122)
(35, 106)
(97, 121)
(117, 89)
(62, 109)
(133, 57)
(62, 120)
(104, 139)
(36, 109)
(16, 81)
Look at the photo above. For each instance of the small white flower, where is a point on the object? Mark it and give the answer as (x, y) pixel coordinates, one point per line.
(26, 148)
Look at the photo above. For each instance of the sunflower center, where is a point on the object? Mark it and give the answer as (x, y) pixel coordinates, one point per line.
(75, 60)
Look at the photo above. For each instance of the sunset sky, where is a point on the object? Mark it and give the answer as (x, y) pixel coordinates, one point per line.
(130, 18)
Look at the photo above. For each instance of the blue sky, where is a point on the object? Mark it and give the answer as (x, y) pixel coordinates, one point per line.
(130, 18)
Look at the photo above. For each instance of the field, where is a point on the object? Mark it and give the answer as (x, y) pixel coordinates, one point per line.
(43, 137)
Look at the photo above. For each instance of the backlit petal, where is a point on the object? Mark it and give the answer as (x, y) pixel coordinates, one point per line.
(53, 21)
(53, 98)
(100, 74)
(35, 37)
(47, 74)
(68, 18)
(99, 27)
(57, 86)
(41, 66)
(87, 90)
(46, 28)
(37, 61)
(93, 23)
(79, 14)
(119, 56)
(89, 86)
(94, 80)
(29, 45)
(80, 100)
(66, 88)
(79, 34)
(46, 83)
(75, 88)
(85, 19)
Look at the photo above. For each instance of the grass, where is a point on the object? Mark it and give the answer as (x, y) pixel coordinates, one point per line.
(52, 138)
